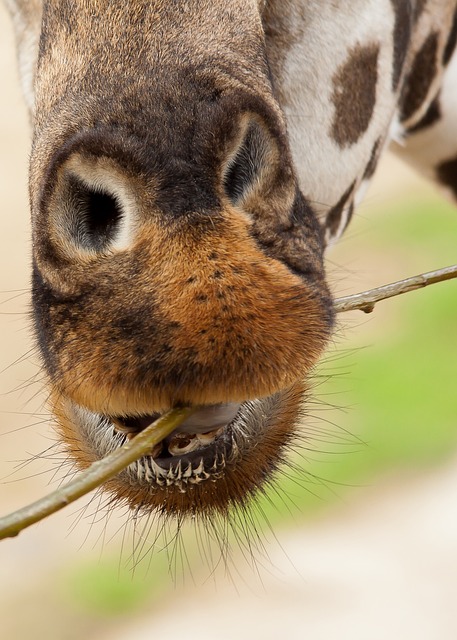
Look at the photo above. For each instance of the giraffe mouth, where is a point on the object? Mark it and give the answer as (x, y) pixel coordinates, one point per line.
(207, 443)
(218, 458)
(204, 438)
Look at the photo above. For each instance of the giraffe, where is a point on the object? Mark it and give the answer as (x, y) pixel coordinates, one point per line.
(191, 162)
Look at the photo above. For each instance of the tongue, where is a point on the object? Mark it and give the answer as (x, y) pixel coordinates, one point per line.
(209, 418)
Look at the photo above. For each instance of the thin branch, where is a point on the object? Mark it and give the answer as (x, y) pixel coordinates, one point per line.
(366, 301)
(103, 470)
(95, 475)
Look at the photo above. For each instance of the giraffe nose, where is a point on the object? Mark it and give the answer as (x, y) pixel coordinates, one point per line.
(100, 194)
(196, 273)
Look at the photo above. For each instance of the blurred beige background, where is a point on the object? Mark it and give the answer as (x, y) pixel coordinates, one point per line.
(381, 564)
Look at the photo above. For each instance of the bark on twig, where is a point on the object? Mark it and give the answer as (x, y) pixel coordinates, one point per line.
(366, 301)
(103, 470)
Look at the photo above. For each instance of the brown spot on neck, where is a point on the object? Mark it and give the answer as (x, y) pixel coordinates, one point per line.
(431, 117)
(451, 42)
(373, 161)
(354, 94)
(401, 38)
(447, 174)
(333, 219)
(422, 74)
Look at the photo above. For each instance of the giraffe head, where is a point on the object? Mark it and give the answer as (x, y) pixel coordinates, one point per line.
(175, 260)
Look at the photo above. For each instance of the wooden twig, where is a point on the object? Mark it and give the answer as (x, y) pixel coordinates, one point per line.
(103, 470)
(95, 475)
(366, 301)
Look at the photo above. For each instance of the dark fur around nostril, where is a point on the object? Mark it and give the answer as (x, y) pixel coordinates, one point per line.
(94, 217)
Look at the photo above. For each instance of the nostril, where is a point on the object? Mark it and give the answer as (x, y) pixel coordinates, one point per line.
(243, 171)
(95, 215)
(93, 207)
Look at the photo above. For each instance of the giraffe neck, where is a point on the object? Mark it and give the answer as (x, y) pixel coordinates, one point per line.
(352, 77)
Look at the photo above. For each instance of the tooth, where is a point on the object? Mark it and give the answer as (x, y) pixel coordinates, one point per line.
(159, 472)
(187, 472)
(140, 470)
(122, 428)
(148, 474)
(209, 436)
(235, 449)
(183, 443)
(200, 469)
